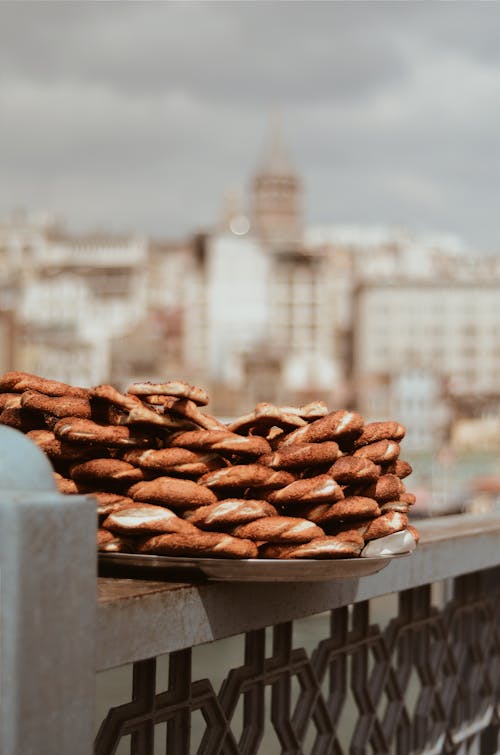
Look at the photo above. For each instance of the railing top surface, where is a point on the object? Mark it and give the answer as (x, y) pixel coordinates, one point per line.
(142, 618)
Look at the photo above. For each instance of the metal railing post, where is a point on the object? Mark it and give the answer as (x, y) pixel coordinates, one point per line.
(47, 608)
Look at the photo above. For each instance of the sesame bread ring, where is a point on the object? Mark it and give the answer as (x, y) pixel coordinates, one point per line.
(388, 487)
(386, 524)
(144, 518)
(59, 406)
(17, 382)
(8, 400)
(172, 491)
(99, 471)
(331, 427)
(380, 452)
(302, 456)
(22, 419)
(189, 410)
(320, 547)
(174, 461)
(103, 536)
(399, 467)
(223, 441)
(279, 529)
(64, 485)
(202, 545)
(109, 393)
(320, 489)
(177, 388)
(246, 475)
(229, 513)
(313, 410)
(57, 450)
(408, 498)
(86, 431)
(107, 503)
(354, 507)
(349, 470)
(263, 417)
(375, 431)
(118, 545)
(400, 506)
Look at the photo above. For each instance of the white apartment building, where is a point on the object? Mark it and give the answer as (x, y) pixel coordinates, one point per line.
(444, 333)
(69, 296)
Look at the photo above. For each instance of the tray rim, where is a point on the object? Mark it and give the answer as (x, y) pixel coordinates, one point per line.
(251, 569)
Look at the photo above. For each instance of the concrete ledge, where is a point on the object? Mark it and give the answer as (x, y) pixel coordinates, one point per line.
(139, 619)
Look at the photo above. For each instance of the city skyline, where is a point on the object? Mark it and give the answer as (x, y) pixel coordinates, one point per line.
(141, 116)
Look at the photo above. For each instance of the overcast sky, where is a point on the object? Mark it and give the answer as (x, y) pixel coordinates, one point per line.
(141, 116)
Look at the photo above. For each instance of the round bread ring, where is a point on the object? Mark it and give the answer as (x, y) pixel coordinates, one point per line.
(137, 411)
(172, 491)
(313, 410)
(263, 417)
(18, 382)
(381, 452)
(349, 470)
(388, 487)
(167, 461)
(375, 431)
(279, 529)
(22, 419)
(66, 486)
(189, 410)
(8, 400)
(202, 544)
(245, 475)
(223, 441)
(331, 427)
(408, 498)
(86, 431)
(399, 467)
(229, 513)
(144, 518)
(107, 503)
(400, 506)
(353, 507)
(321, 547)
(118, 545)
(302, 456)
(177, 388)
(103, 536)
(99, 471)
(59, 406)
(385, 524)
(57, 450)
(320, 489)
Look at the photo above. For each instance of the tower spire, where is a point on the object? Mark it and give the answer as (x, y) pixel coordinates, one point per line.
(276, 195)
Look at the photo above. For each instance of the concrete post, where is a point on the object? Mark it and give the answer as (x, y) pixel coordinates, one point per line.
(47, 607)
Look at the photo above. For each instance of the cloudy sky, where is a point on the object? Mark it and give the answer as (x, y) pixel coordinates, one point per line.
(141, 116)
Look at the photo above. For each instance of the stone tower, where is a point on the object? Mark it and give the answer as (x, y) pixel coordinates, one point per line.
(276, 196)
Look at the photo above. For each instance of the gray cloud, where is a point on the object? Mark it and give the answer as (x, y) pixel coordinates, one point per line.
(140, 115)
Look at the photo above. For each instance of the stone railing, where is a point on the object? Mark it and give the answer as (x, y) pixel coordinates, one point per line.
(403, 661)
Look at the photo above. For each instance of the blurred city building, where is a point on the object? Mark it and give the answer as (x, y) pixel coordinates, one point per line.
(262, 308)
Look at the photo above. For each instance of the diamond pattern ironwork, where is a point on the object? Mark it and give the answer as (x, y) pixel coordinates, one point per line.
(428, 683)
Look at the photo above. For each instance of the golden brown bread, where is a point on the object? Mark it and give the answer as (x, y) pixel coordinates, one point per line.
(331, 427)
(354, 469)
(381, 452)
(321, 547)
(203, 544)
(223, 441)
(143, 518)
(175, 461)
(177, 388)
(172, 491)
(86, 431)
(228, 513)
(279, 529)
(96, 472)
(246, 476)
(375, 431)
(320, 489)
(17, 382)
(354, 507)
(302, 455)
(388, 487)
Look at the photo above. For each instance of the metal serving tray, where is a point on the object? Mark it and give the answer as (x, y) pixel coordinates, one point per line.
(240, 570)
